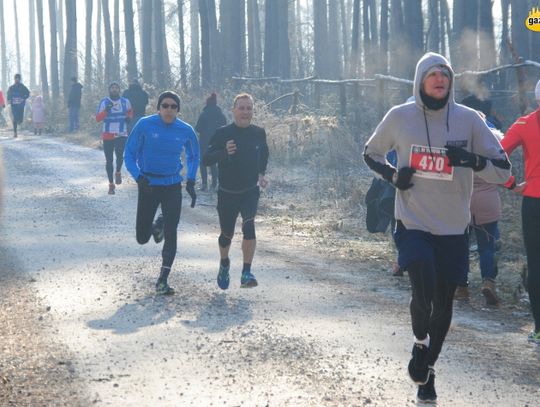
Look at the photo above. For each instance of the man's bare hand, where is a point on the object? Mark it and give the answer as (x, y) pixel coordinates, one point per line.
(230, 146)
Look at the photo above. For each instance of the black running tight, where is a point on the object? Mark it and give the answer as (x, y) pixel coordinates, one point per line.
(431, 306)
(530, 217)
(170, 198)
(111, 148)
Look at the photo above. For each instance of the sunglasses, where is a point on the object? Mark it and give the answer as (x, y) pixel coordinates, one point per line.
(166, 106)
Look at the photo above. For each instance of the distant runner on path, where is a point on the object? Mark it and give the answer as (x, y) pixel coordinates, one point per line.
(440, 144)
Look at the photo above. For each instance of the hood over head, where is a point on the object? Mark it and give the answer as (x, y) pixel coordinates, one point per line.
(427, 64)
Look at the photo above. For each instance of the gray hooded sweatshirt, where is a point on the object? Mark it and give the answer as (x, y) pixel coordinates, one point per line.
(439, 201)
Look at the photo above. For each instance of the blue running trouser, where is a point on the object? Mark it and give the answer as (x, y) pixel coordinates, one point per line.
(530, 217)
(170, 199)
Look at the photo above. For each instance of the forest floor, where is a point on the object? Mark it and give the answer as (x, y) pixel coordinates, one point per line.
(328, 325)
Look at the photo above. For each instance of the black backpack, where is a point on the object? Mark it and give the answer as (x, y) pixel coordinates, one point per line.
(379, 201)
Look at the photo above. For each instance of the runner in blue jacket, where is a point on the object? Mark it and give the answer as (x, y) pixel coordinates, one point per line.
(153, 158)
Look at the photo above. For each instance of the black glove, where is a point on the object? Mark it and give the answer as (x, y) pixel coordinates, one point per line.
(190, 188)
(402, 178)
(460, 157)
(144, 185)
(109, 106)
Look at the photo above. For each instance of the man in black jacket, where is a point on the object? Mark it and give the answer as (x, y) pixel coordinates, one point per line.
(138, 98)
(74, 104)
(211, 119)
(241, 152)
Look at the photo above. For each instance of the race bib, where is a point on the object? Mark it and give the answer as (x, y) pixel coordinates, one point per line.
(431, 163)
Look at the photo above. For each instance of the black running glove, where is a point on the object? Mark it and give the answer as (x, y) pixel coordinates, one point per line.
(190, 188)
(402, 178)
(109, 106)
(144, 185)
(460, 157)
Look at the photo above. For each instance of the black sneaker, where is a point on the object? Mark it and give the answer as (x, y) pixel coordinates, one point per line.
(162, 288)
(426, 392)
(418, 367)
(158, 230)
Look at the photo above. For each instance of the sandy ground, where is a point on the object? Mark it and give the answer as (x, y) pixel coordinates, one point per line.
(81, 324)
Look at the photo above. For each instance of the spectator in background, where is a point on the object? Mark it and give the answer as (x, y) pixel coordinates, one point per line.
(17, 95)
(138, 98)
(74, 104)
(38, 115)
(2, 107)
(484, 106)
(209, 121)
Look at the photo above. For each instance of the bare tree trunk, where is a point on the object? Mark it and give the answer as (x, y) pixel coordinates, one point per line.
(320, 42)
(433, 39)
(299, 41)
(355, 40)
(254, 39)
(398, 52)
(116, 36)
(195, 50)
(181, 34)
(335, 50)
(161, 75)
(18, 44)
(71, 60)
(55, 81)
(413, 20)
(271, 28)
(99, 50)
(519, 36)
(32, 42)
(42, 56)
(384, 36)
(209, 43)
(88, 47)
(131, 52)
(3, 50)
(61, 42)
(233, 33)
(283, 40)
(109, 53)
(487, 56)
(146, 43)
(344, 37)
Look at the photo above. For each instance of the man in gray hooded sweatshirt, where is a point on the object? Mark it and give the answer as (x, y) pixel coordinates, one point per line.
(439, 144)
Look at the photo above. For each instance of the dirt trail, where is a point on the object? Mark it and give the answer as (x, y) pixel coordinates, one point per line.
(316, 332)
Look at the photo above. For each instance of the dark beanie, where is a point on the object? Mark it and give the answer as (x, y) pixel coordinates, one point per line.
(212, 99)
(113, 83)
(168, 94)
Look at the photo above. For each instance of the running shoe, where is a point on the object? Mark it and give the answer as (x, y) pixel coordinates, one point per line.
(117, 177)
(162, 288)
(418, 367)
(158, 230)
(223, 276)
(248, 280)
(426, 392)
(111, 189)
(534, 337)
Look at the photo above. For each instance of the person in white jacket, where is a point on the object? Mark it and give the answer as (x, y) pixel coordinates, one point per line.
(439, 144)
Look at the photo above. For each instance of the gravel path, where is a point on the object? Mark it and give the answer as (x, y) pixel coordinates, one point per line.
(84, 327)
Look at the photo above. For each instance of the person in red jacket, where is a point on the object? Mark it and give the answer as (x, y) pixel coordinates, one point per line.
(2, 107)
(525, 132)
